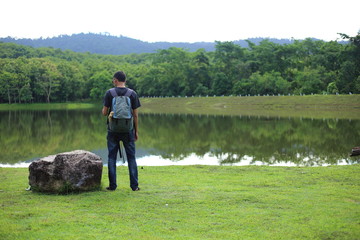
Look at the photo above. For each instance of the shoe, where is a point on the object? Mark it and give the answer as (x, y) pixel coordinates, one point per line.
(136, 189)
(108, 188)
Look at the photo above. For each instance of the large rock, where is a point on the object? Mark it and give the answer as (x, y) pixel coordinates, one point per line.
(66, 172)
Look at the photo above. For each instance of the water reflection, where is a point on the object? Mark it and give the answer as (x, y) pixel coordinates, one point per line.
(233, 140)
(184, 139)
(27, 135)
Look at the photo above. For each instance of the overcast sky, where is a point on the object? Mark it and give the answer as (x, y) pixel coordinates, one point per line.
(181, 20)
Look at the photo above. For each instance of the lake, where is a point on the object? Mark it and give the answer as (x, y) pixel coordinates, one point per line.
(170, 139)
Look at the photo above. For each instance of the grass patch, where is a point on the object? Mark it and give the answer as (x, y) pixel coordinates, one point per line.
(49, 106)
(309, 106)
(191, 202)
(312, 106)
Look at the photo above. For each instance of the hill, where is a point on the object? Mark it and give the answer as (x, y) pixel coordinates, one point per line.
(114, 45)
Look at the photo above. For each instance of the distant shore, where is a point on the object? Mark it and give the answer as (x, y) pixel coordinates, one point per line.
(312, 106)
(309, 106)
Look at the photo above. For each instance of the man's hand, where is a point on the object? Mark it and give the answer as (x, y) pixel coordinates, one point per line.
(105, 110)
(136, 135)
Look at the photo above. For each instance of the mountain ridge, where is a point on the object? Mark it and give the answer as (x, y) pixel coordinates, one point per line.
(103, 43)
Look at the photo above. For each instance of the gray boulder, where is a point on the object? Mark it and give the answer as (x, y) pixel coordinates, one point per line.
(66, 172)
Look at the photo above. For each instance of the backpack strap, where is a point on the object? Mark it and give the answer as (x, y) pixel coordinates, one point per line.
(113, 92)
(127, 94)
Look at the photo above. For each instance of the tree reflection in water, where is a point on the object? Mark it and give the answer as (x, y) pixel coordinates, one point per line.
(231, 140)
(234, 139)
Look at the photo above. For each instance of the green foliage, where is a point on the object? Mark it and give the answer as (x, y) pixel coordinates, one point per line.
(303, 67)
(269, 83)
(332, 88)
(309, 81)
(99, 83)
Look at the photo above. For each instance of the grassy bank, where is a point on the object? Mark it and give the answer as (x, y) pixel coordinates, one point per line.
(48, 106)
(312, 106)
(192, 202)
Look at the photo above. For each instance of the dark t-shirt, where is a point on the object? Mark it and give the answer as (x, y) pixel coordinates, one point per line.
(135, 102)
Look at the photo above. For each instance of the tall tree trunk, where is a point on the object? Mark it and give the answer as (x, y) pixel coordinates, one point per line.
(48, 95)
(19, 95)
(9, 96)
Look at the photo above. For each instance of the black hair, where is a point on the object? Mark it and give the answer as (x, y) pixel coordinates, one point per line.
(120, 76)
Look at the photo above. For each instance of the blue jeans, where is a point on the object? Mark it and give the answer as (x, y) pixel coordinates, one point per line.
(113, 144)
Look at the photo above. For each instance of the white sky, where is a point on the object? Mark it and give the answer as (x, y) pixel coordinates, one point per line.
(181, 20)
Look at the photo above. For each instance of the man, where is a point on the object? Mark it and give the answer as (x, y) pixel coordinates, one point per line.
(128, 139)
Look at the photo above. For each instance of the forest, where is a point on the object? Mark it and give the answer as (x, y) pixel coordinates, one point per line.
(45, 74)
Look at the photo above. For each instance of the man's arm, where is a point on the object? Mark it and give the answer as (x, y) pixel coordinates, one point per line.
(135, 115)
(105, 111)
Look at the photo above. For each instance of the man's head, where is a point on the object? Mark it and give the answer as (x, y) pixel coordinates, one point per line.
(120, 76)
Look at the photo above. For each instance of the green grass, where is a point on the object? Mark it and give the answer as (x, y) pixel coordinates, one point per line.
(49, 106)
(191, 202)
(312, 106)
(309, 106)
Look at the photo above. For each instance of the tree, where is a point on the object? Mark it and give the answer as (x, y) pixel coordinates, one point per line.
(174, 64)
(6, 79)
(149, 84)
(268, 83)
(228, 69)
(357, 85)
(200, 73)
(263, 57)
(347, 77)
(247, 86)
(309, 81)
(350, 69)
(71, 82)
(221, 84)
(26, 93)
(332, 88)
(100, 82)
(45, 76)
(276, 83)
(21, 82)
(6, 87)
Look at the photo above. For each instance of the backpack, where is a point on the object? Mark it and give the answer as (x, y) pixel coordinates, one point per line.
(121, 119)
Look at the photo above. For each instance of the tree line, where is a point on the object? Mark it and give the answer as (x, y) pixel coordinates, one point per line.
(308, 66)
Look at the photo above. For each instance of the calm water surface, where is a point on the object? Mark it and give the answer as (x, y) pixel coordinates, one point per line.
(183, 139)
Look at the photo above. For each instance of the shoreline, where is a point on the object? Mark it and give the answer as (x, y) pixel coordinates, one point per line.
(307, 106)
(310, 106)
